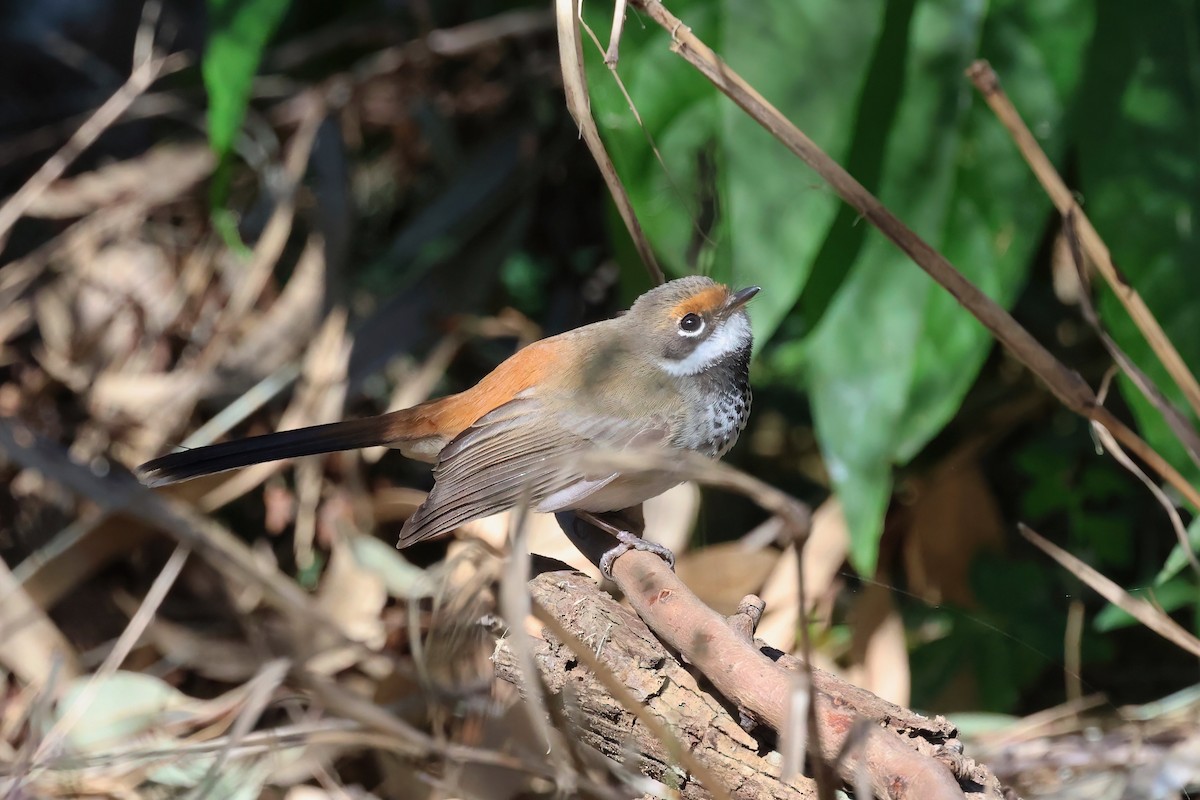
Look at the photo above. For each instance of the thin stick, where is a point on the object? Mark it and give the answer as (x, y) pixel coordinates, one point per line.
(570, 48)
(125, 642)
(614, 37)
(1181, 426)
(988, 84)
(1139, 609)
(1066, 384)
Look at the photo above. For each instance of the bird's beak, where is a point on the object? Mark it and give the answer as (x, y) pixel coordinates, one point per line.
(740, 298)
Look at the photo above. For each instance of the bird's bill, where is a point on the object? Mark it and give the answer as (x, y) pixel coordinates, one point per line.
(741, 297)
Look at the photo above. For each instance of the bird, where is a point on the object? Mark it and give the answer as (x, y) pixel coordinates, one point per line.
(671, 372)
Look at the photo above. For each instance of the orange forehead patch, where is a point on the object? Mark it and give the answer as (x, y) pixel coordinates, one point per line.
(708, 300)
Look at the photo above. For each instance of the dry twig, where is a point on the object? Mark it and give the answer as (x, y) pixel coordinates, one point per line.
(988, 84)
(570, 47)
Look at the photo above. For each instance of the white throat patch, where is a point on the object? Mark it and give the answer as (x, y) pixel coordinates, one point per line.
(729, 338)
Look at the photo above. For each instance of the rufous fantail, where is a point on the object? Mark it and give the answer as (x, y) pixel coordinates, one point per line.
(672, 372)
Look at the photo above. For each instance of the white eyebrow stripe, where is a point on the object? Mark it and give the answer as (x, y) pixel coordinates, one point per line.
(729, 338)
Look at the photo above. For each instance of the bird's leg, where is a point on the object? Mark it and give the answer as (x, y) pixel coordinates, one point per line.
(627, 541)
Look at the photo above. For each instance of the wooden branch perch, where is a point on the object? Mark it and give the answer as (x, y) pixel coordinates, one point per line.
(901, 754)
(703, 723)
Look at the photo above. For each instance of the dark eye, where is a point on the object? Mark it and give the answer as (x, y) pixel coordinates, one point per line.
(691, 323)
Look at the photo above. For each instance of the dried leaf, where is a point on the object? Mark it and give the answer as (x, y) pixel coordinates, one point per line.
(879, 648)
(722, 574)
(352, 596)
(954, 519)
(33, 647)
(159, 176)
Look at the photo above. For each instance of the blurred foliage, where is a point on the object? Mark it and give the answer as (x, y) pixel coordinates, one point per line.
(1138, 132)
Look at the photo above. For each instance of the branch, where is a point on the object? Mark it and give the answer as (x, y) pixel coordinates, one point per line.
(640, 662)
(988, 84)
(759, 682)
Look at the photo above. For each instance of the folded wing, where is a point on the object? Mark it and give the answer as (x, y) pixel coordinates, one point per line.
(520, 451)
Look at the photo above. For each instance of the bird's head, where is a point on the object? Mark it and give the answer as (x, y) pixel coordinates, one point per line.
(693, 324)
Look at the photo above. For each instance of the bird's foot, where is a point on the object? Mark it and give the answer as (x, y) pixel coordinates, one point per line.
(631, 541)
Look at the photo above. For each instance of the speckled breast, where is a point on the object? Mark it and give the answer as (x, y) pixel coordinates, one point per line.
(726, 418)
(725, 407)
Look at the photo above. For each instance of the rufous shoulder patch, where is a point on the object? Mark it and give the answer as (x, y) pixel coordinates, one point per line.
(527, 367)
(703, 302)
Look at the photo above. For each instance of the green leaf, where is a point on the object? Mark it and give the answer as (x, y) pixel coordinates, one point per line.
(889, 363)
(1170, 597)
(401, 577)
(239, 30)
(1139, 169)
(1178, 558)
(733, 202)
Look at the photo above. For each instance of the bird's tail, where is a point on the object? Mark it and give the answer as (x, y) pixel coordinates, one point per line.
(187, 464)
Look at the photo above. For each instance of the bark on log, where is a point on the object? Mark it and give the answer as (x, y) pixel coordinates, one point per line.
(700, 719)
(898, 742)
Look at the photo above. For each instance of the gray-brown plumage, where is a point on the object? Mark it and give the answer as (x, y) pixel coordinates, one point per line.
(670, 373)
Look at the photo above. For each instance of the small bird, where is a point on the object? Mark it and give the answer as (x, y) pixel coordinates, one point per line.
(672, 372)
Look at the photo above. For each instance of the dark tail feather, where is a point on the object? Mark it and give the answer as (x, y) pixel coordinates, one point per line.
(186, 464)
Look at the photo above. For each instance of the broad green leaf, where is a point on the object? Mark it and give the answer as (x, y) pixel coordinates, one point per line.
(891, 355)
(894, 354)
(239, 30)
(1139, 171)
(1178, 559)
(732, 201)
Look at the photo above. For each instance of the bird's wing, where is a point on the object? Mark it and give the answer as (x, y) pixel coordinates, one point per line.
(519, 448)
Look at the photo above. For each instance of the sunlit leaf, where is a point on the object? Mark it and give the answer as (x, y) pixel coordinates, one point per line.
(894, 355)
(239, 30)
(123, 705)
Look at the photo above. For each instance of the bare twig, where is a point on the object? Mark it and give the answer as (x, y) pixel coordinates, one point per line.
(1110, 445)
(614, 37)
(761, 688)
(516, 607)
(570, 47)
(988, 84)
(119, 491)
(1142, 611)
(128, 638)
(1180, 425)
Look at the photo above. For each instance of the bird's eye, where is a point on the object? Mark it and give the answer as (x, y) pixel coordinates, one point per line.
(691, 324)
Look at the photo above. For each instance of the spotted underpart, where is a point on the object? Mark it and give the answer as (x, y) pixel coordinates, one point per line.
(727, 418)
(725, 407)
